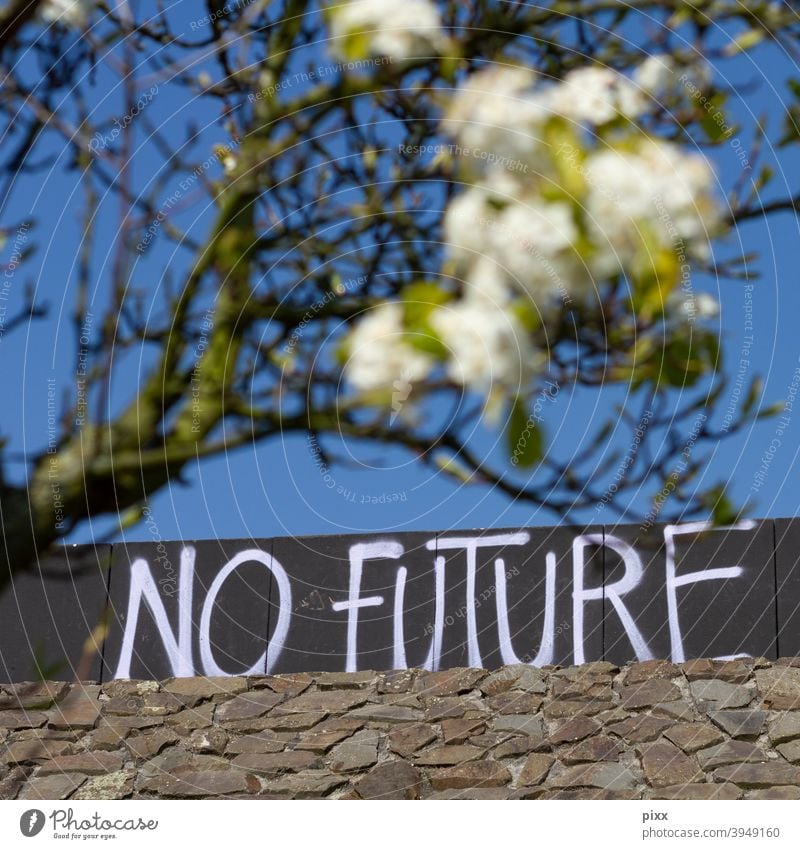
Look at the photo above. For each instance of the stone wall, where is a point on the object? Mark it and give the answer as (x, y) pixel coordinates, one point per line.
(703, 729)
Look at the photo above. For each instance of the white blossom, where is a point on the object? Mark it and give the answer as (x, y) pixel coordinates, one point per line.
(595, 95)
(73, 13)
(494, 112)
(486, 344)
(664, 79)
(501, 244)
(400, 30)
(657, 185)
(381, 354)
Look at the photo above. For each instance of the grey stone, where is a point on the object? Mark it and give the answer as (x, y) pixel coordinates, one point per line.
(390, 780)
(785, 727)
(691, 736)
(730, 752)
(448, 755)
(759, 775)
(648, 693)
(713, 694)
(664, 764)
(358, 752)
(472, 774)
(607, 776)
(60, 786)
(739, 723)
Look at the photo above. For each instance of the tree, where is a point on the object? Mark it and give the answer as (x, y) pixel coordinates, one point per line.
(394, 209)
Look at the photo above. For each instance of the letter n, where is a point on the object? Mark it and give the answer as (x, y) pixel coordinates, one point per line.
(144, 588)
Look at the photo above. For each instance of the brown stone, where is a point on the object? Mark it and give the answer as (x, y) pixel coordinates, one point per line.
(191, 718)
(122, 706)
(32, 695)
(759, 775)
(409, 738)
(472, 774)
(13, 782)
(636, 673)
(288, 685)
(691, 736)
(129, 687)
(206, 688)
(535, 769)
(448, 755)
(561, 708)
(591, 794)
(730, 752)
(162, 704)
(292, 722)
(593, 749)
(525, 678)
(608, 776)
(583, 690)
(638, 729)
(531, 725)
(16, 719)
(321, 741)
(516, 746)
(732, 671)
(305, 785)
(459, 730)
(114, 785)
(474, 794)
(120, 724)
(34, 751)
(247, 705)
(356, 753)
(664, 764)
(448, 682)
(697, 791)
(739, 723)
(273, 764)
(148, 745)
(573, 730)
(390, 780)
(79, 709)
(447, 708)
(790, 751)
(107, 738)
(346, 680)
(514, 703)
(714, 694)
(265, 742)
(52, 787)
(784, 727)
(786, 792)
(87, 763)
(207, 741)
(678, 711)
(398, 681)
(648, 693)
(387, 714)
(332, 701)
(204, 784)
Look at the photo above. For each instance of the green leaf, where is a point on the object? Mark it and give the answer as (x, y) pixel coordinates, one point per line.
(524, 435)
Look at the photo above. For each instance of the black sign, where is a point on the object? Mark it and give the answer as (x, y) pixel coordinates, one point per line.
(390, 601)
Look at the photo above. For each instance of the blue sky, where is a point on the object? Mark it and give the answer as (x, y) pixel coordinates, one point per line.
(277, 488)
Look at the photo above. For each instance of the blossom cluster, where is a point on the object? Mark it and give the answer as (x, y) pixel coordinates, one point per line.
(401, 31)
(564, 193)
(73, 13)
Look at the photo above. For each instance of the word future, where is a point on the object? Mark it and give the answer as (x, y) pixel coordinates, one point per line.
(485, 598)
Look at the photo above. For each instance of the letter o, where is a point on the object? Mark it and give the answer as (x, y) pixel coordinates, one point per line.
(284, 615)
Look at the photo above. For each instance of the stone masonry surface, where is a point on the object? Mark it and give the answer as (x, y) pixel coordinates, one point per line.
(703, 729)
